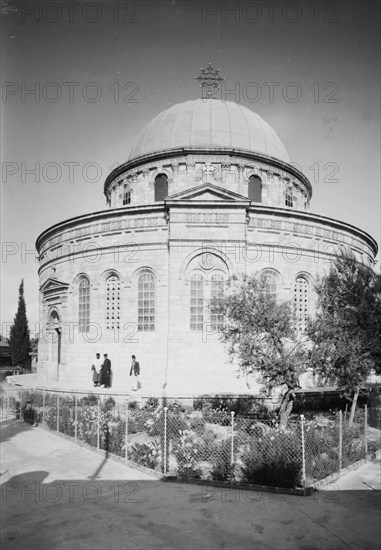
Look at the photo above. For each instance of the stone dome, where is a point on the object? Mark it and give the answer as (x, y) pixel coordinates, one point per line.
(209, 123)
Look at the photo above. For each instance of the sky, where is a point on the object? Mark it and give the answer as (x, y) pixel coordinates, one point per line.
(81, 79)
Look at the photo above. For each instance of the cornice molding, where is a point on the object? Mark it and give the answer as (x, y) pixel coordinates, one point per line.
(164, 209)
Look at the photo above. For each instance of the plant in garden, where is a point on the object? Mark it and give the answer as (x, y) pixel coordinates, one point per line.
(146, 454)
(207, 444)
(187, 454)
(197, 425)
(137, 420)
(117, 437)
(152, 403)
(347, 329)
(88, 424)
(260, 334)
(219, 415)
(66, 420)
(108, 404)
(223, 469)
(274, 460)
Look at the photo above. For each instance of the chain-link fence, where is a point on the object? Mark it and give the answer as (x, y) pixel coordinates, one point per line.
(197, 439)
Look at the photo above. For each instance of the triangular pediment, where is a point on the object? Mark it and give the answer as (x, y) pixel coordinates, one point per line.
(207, 192)
(53, 286)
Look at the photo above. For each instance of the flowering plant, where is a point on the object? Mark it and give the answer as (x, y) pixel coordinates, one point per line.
(146, 454)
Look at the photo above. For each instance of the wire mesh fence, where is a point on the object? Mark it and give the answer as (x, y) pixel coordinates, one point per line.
(195, 439)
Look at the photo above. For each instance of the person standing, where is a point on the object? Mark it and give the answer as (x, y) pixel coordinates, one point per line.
(106, 371)
(135, 370)
(96, 370)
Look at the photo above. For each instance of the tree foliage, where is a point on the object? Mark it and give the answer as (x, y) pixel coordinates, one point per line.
(347, 329)
(261, 337)
(19, 342)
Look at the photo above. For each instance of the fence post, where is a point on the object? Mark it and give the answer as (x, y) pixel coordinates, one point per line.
(303, 451)
(58, 412)
(165, 441)
(232, 439)
(366, 430)
(75, 417)
(43, 408)
(21, 396)
(98, 421)
(126, 434)
(340, 440)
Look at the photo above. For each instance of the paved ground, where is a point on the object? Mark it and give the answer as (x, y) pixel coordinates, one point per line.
(57, 495)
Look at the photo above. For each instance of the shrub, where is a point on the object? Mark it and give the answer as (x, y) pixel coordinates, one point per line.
(176, 425)
(223, 469)
(108, 404)
(273, 460)
(136, 421)
(216, 416)
(152, 403)
(117, 437)
(88, 425)
(187, 454)
(207, 444)
(320, 439)
(197, 425)
(198, 404)
(90, 399)
(146, 454)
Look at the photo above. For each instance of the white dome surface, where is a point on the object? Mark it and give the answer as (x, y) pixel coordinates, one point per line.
(209, 123)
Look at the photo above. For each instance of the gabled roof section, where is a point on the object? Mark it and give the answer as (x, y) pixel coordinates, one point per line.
(53, 286)
(207, 192)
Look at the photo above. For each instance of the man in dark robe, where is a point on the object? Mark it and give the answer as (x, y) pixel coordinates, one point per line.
(106, 372)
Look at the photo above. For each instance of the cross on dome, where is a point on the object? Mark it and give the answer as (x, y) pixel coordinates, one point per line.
(209, 79)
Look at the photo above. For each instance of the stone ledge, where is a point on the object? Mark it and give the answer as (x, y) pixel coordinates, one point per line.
(336, 475)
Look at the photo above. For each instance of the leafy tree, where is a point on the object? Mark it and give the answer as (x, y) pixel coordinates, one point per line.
(19, 343)
(347, 329)
(261, 336)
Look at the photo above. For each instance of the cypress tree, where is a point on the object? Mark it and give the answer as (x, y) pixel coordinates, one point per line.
(19, 342)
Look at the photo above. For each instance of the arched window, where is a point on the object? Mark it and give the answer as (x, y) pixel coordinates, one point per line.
(84, 305)
(112, 302)
(146, 302)
(255, 189)
(217, 289)
(270, 285)
(289, 198)
(196, 301)
(161, 187)
(301, 302)
(126, 198)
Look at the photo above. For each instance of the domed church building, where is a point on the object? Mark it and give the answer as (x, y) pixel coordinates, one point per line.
(207, 191)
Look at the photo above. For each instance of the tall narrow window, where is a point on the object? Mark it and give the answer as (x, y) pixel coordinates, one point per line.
(255, 189)
(196, 301)
(301, 291)
(84, 305)
(289, 198)
(113, 302)
(146, 302)
(161, 187)
(270, 285)
(216, 290)
(126, 194)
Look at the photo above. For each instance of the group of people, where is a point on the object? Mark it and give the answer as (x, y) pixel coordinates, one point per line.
(102, 372)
